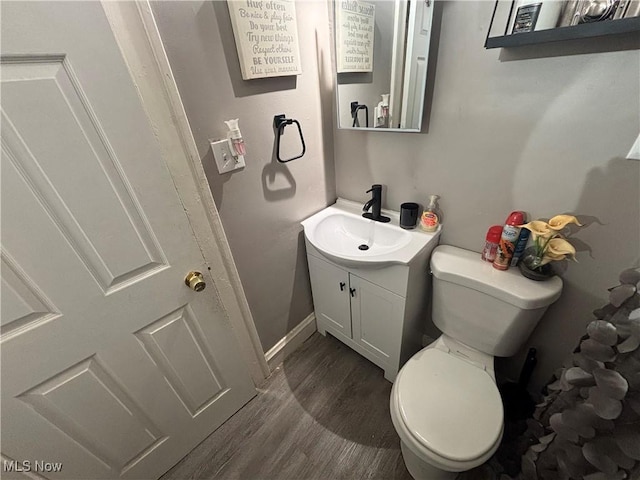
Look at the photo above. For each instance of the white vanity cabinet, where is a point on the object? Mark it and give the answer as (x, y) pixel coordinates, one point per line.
(360, 313)
(370, 282)
(331, 298)
(358, 307)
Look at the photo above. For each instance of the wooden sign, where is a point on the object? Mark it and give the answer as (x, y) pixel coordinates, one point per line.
(266, 35)
(355, 21)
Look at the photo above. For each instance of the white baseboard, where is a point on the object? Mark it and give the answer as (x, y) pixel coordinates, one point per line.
(291, 341)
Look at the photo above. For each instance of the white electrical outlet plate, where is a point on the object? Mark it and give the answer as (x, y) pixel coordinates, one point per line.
(225, 160)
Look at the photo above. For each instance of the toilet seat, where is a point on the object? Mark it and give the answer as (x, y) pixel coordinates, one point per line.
(449, 407)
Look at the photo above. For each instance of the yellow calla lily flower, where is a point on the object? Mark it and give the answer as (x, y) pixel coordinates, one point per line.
(559, 246)
(537, 228)
(548, 243)
(551, 257)
(560, 221)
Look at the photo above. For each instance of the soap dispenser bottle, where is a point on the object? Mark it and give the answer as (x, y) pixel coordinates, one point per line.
(382, 112)
(431, 216)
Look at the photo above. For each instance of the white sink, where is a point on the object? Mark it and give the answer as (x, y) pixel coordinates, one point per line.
(341, 234)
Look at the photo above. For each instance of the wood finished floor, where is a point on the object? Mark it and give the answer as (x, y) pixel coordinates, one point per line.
(323, 414)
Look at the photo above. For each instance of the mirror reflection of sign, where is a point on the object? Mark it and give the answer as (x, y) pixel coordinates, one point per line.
(355, 22)
(266, 36)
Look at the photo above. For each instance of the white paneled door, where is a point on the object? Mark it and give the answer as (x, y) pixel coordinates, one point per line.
(111, 366)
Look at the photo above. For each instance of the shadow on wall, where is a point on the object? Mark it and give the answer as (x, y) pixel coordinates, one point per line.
(301, 285)
(241, 88)
(582, 248)
(604, 249)
(277, 181)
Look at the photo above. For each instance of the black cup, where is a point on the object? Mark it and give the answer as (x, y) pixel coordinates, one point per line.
(409, 215)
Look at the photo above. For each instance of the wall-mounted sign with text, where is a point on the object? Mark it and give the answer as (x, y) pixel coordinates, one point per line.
(355, 23)
(266, 35)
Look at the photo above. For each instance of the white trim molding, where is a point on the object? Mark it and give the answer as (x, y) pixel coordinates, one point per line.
(137, 35)
(291, 341)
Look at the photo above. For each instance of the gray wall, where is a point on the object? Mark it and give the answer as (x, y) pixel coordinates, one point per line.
(541, 129)
(262, 205)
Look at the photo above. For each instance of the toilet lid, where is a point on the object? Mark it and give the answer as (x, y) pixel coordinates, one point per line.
(450, 406)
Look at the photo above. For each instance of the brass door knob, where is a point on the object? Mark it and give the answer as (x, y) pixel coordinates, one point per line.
(194, 281)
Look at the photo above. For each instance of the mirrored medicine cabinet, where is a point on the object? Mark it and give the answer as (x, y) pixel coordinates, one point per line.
(381, 52)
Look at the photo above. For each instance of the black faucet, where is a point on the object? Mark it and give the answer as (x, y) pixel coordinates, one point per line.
(375, 204)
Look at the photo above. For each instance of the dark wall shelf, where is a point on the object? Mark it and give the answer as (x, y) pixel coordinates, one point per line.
(585, 30)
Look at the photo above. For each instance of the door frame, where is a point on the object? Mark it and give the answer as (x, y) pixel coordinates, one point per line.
(138, 38)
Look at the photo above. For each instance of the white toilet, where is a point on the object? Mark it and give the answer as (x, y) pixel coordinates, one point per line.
(445, 404)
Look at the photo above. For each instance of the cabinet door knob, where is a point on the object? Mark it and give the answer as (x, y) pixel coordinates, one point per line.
(342, 285)
(352, 291)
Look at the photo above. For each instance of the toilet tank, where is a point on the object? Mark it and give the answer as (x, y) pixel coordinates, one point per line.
(491, 310)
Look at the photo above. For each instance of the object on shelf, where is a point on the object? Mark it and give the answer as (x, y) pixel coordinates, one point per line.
(595, 10)
(633, 9)
(616, 17)
(534, 15)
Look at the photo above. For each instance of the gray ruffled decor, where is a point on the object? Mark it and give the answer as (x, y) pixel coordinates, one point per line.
(588, 426)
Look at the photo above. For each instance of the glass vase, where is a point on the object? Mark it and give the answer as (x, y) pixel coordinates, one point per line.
(530, 266)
